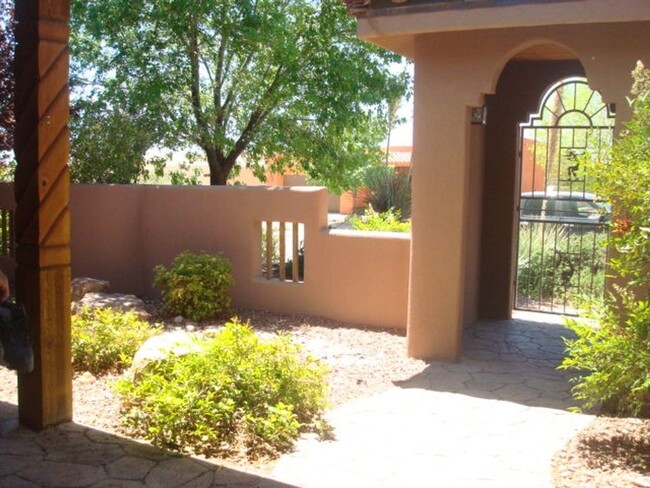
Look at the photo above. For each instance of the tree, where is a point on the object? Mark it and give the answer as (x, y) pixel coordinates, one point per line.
(7, 49)
(96, 155)
(282, 81)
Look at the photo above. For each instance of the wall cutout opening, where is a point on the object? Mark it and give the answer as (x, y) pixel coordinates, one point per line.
(283, 251)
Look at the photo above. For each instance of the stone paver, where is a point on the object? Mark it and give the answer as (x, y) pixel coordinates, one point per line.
(493, 420)
(72, 455)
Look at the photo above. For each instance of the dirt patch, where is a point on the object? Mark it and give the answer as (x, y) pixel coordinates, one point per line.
(609, 453)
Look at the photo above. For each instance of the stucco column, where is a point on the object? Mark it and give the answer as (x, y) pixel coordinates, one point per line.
(42, 187)
(441, 171)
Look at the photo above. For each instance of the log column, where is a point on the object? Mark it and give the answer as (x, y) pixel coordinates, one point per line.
(42, 188)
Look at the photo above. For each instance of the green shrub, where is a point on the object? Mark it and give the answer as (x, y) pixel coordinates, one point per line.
(237, 391)
(196, 285)
(388, 189)
(388, 221)
(105, 340)
(612, 351)
(613, 356)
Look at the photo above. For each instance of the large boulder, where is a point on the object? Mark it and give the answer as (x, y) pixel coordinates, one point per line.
(116, 301)
(81, 286)
(161, 346)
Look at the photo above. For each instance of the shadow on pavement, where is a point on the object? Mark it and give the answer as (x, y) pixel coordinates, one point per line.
(75, 455)
(514, 360)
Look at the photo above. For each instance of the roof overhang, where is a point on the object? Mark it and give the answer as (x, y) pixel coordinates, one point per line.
(395, 28)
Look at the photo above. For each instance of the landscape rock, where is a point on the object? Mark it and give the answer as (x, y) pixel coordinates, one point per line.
(116, 301)
(87, 378)
(159, 347)
(83, 285)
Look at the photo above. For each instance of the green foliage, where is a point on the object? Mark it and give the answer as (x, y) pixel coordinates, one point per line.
(105, 340)
(388, 189)
(624, 181)
(613, 354)
(237, 391)
(286, 82)
(108, 144)
(195, 286)
(388, 221)
(613, 351)
(554, 258)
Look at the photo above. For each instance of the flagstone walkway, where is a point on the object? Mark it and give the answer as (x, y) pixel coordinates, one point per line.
(493, 420)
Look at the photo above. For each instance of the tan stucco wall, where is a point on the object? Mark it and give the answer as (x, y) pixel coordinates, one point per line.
(453, 72)
(120, 233)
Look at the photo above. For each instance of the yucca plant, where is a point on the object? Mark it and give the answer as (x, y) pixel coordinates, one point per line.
(388, 189)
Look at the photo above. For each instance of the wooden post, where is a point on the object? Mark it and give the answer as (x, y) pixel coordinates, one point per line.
(42, 188)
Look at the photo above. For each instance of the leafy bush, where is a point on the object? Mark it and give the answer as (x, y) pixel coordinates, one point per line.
(196, 285)
(105, 340)
(388, 221)
(388, 189)
(612, 351)
(237, 391)
(614, 355)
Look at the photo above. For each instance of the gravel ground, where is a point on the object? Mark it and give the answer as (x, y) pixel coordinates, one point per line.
(361, 361)
(610, 453)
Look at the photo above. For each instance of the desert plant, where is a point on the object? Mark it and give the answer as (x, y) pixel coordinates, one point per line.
(388, 189)
(554, 258)
(238, 390)
(195, 286)
(388, 221)
(105, 340)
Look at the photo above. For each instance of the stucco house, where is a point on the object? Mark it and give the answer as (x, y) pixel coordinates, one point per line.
(495, 57)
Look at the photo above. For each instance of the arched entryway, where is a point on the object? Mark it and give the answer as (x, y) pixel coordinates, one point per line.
(522, 83)
(562, 225)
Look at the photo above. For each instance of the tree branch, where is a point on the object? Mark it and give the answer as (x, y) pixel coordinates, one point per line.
(264, 108)
(223, 111)
(205, 141)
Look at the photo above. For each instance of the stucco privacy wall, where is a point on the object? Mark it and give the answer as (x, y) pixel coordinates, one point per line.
(453, 72)
(120, 233)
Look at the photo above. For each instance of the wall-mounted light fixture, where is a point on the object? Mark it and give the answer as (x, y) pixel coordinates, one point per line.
(479, 115)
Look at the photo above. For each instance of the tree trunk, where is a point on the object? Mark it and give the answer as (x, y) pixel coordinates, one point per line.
(218, 178)
(220, 167)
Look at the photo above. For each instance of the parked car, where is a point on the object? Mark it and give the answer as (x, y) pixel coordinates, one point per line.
(564, 207)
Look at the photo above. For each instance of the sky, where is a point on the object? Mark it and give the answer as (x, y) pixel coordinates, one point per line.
(402, 135)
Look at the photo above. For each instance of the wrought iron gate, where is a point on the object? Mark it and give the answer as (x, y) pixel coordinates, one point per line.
(562, 223)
